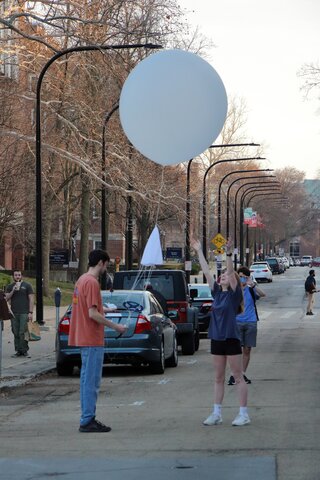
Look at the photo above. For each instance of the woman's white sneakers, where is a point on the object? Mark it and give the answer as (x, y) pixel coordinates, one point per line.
(241, 420)
(213, 419)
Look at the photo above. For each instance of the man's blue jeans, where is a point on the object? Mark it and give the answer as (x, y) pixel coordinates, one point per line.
(90, 379)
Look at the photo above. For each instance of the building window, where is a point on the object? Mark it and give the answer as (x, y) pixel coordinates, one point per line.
(97, 245)
(294, 249)
(8, 61)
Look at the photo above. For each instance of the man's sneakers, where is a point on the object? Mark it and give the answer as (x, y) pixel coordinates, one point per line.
(233, 382)
(94, 427)
(213, 419)
(309, 313)
(241, 420)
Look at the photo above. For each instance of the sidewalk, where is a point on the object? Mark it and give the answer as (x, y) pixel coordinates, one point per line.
(20, 370)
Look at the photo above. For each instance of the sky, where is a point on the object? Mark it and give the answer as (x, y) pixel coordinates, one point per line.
(259, 46)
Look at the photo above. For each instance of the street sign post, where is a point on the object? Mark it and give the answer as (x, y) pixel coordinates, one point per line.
(219, 240)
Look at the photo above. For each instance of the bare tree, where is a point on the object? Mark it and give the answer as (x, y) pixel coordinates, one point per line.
(75, 96)
(310, 75)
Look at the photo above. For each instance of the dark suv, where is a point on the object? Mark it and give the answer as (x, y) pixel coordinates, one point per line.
(274, 265)
(172, 285)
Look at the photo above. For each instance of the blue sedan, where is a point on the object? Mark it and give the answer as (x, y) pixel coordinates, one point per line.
(150, 338)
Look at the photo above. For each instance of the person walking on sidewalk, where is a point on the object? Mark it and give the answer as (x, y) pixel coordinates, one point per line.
(21, 297)
(247, 320)
(310, 288)
(87, 332)
(224, 335)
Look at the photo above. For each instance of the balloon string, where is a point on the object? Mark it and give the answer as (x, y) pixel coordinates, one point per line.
(160, 191)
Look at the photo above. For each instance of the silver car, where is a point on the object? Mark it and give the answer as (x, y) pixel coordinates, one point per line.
(150, 338)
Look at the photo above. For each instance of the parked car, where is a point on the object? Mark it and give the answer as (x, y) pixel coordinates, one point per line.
(173, 287)
(296, 261)
(201, 298)
(282, 264)
(306, 260)
(286, 261)
(274, 265)
(150, 339)
(315, 262)
(261, 271)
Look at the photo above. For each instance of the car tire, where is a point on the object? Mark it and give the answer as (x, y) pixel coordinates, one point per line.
(188, 344)
(64, 369)
(197, 340)
(158, 367)
(173, 360)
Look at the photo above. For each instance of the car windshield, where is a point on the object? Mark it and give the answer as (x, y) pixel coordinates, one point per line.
(161, 283)
(123, 300)
(272, 260)
(203, 291)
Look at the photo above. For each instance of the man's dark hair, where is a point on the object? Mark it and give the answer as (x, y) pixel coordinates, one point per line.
(244, 270)
(311, 272)
(96, 255)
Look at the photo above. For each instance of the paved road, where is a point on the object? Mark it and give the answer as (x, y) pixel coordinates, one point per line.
(157, 420)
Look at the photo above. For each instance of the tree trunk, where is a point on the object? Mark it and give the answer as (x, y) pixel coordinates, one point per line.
(84, 224)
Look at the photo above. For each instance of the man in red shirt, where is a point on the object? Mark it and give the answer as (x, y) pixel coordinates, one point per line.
(87, 332)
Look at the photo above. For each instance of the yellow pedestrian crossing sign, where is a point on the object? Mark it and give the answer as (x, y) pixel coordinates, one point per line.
(219, 240)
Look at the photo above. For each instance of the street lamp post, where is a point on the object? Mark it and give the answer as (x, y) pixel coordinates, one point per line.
(129, 230)
(261, 242)
(276, 201)
(188, 201)
(204, 195)
(248, 229)
(248, 183)
(220, 186)
(103, 190)
(187, 238)
(219, 193)
(236, 218)
(39, 252)
(281, 201)
(243, 196)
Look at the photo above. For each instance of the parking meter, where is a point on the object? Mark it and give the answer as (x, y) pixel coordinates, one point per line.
(57, 301)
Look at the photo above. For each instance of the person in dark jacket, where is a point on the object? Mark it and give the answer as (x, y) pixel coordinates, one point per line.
(21, 297)
(310, 287)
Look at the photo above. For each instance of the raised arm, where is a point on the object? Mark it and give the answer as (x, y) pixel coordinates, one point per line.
(196, 245)
(230, 271)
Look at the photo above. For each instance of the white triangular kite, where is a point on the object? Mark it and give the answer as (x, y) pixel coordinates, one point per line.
(152, 254)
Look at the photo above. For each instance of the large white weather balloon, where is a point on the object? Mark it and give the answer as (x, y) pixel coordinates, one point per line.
(173, 106)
